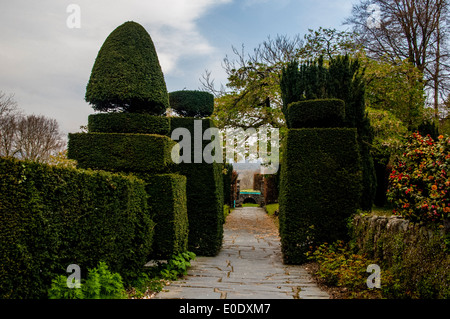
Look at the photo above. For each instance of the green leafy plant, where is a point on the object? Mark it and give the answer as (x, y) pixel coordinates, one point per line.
(419, 182)
(177, 266)
(99, 284)
(338, 266)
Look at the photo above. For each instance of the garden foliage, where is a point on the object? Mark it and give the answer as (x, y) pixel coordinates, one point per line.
(52, 217)
(341, 79)
(126, 75)
(320, 188)
(100, 283)
(419, 183)
(121, 152)
(204, 195)
(136, 123)
(192, 103)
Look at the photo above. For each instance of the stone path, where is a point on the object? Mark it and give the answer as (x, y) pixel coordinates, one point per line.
(249, 266)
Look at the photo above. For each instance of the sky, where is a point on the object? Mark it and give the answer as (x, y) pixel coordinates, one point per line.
(46, 56)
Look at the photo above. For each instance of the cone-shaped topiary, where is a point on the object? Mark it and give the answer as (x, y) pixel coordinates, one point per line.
(127, 75)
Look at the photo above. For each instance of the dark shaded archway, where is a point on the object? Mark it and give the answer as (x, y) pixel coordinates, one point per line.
(249, 200)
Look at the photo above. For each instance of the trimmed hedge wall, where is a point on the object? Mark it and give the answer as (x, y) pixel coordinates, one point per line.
(51, 217)
(316, 113)
(320, 188)
(168, 206)
(121, 152)
(204, 196)
(128, 123)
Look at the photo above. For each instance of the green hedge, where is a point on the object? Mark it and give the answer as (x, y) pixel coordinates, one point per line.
(121, 152)
(192, 103)
(168, 206)
(319, 189)
(317, 113)
(51, 217)
(128, 123)
(204, 197)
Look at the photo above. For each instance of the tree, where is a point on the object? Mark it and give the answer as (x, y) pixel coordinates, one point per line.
(397, 88)
(37, 138)
(412, 30)
(252, 96)
(127, 75)
(29, 137)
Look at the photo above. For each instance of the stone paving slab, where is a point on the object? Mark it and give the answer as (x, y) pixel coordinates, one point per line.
(249, 266)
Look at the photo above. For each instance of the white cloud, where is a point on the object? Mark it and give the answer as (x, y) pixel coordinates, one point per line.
(47, 65)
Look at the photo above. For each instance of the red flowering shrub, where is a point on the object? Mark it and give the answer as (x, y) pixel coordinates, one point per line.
(419, 183)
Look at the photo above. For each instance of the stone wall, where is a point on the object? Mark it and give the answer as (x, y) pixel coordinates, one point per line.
(416, 257)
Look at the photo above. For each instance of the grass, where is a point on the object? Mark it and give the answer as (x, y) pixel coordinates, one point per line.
(271, 208)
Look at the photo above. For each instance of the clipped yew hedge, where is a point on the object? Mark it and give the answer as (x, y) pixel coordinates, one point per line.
(52, 217)
(121, 152)
(320, 188)
(204, 196)
(168, 206)
(139, 123)
(316, 113)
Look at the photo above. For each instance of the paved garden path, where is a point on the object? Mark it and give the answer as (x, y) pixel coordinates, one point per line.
(249, 266)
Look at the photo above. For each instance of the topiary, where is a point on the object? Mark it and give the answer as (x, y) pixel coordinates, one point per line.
(127, 75)
(192, 103)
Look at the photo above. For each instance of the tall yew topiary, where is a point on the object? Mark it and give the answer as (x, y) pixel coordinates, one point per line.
(127, 75)
(342, 79)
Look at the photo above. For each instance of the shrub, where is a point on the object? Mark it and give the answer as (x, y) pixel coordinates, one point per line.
(128, 123)
(204, 190)
(121, 152)
(419, 182)
(101, 283)
(319, 188)
(168, 206)
(52, 217)
(127, 75)
(316, 113)
(339, 266)
(192, 103)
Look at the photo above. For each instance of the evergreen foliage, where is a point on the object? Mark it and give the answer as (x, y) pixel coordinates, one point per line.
(51, 217)
(192, 103)
(342, 79)
(121, 152)
(204, 190)
(127, 75)
(319, 188)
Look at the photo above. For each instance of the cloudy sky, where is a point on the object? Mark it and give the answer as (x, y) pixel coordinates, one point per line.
(47, 65)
